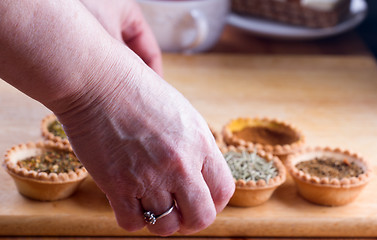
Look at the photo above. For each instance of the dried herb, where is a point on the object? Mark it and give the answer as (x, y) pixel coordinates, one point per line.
(57, 129)
(332, 168)
(250, 166)
(51, 162)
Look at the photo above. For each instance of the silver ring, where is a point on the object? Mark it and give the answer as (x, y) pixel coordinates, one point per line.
(151, 218)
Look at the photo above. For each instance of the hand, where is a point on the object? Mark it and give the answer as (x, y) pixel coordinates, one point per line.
(146, 146)
(124, 21)
(139, 138)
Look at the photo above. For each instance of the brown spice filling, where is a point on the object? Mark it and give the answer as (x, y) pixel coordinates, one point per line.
(264, 135)
(331, 168)
(57, 129)
(51, 162)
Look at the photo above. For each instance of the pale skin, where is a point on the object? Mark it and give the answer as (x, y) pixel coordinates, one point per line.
(143, 143)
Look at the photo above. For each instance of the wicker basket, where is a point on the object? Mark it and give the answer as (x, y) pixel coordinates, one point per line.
(292, 12)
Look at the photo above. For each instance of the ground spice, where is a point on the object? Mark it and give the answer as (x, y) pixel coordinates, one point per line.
(264, 135)
(51, 162)
(331, 168)
(57, 129)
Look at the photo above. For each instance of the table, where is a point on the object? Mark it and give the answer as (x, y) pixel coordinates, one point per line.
(280, 62)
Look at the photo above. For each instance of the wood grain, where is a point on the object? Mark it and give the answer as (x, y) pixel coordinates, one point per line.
(331, 99)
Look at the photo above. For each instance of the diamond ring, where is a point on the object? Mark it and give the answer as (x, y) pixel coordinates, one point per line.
(151, 218)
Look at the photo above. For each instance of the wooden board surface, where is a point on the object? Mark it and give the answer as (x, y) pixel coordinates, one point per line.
(332, 99)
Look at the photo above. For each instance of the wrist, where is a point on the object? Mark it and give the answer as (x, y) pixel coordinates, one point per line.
(53, 52)
(89, 80)
(108, 84)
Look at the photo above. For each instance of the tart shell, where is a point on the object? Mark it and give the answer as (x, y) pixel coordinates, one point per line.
(327, 191)
(46, 134)
(279, 148)
(252, 193)
(218, 137)
(40, 185)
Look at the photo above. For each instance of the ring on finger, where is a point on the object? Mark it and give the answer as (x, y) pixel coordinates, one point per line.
(152, 218)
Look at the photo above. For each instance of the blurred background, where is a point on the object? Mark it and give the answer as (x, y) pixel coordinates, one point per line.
(368, 29)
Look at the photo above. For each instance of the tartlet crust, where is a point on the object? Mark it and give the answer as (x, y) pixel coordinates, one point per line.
(218, 137)
(326, 191)
(46, 134)
(280, 150)
(41, 186)
(254, 193)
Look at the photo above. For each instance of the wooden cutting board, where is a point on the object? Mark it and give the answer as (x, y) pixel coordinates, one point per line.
(332, 99)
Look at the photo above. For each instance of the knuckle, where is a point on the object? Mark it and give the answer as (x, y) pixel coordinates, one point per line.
(200, 223)
(180, 167)
(224, 193)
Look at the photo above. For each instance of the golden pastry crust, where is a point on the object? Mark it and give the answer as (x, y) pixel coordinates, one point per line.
(325, 190)
(46, 122)
(41, 185)
(253, 193)
(271, 135)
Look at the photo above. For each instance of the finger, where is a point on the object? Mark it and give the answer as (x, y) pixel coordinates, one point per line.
(128, 213)
(195, 205)
(159, 202)
(139, 37)
(219, 179)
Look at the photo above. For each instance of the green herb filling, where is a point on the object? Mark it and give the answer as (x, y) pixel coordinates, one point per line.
(250, 166)
(57, 129)
(51, 162)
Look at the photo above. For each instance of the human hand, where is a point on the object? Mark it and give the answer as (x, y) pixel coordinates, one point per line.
(124, 21)
(139, 138)
(146, 146)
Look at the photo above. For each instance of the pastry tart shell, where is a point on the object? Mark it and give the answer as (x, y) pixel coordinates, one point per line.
(41, 185)
(276, 137)
(218, 137)
(254, 193)
(46, 134)
(328, 191)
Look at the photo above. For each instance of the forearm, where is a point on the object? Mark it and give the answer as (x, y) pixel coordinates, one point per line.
(143, 143)
(52, 50)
